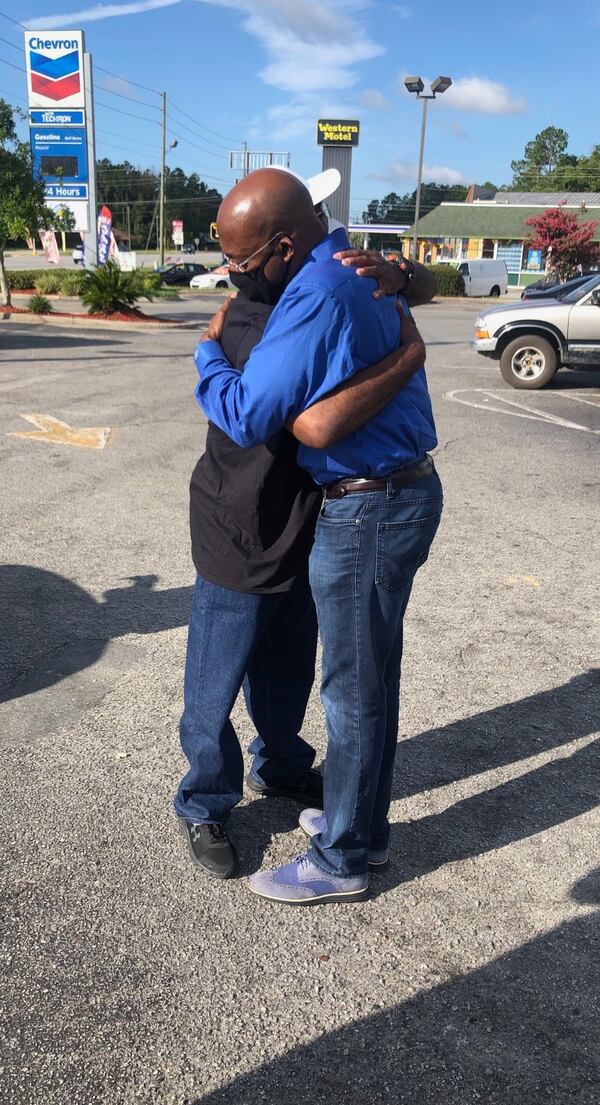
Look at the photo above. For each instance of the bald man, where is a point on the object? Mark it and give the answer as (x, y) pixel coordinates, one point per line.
(325, 328)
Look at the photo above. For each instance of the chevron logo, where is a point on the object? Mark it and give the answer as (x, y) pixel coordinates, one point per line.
(55, 78)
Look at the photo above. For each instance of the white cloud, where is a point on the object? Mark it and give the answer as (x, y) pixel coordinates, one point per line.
(121, 86)
(310, 47)
(477, 94)
(288, 122)
(483, 96)
(402, 10)
(374, 99)
(407, 171)
(100, 11)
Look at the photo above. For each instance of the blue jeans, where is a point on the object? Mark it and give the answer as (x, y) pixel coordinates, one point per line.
(268, 644)
(367, 549)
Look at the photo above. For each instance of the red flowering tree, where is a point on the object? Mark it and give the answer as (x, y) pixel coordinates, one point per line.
(565, 241)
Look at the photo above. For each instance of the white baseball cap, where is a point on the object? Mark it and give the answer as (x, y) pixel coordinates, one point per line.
(320, 186)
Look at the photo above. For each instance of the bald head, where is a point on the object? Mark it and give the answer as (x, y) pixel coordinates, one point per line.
(263, 205)
(266, 202)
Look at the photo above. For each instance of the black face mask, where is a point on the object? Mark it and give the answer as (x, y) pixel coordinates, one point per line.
(256, 286)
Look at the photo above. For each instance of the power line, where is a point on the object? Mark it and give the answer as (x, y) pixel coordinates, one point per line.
(112, 146)
(128, 99)
(13, 44)
(188, 142)
(217, 134)
(17, 67)
(207, 200)
(131, 114)
(135, 83)
(11, 20)
(189, 130)
(126, 138)
(21, 99)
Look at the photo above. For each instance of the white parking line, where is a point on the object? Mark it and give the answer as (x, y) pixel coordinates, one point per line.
(533, 413)
(594, 402)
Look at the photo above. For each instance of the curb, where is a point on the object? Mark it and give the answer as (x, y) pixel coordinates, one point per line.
(97, 323)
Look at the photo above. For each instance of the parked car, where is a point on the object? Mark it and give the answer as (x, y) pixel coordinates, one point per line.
(77, 255)
(188, 247)
(532, 339)
(180, 272)
(551, 288)
(484, 277)
(215, 278)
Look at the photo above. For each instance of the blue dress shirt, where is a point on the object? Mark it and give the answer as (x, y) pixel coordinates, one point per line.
(326, 327)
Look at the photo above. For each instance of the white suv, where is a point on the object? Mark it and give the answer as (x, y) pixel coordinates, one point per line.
(533, 338)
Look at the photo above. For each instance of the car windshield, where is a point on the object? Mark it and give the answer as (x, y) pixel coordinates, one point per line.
(582, 290)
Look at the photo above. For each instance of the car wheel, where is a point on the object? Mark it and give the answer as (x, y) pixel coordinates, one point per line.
(221, 284)
(528, 362)
(495, 291)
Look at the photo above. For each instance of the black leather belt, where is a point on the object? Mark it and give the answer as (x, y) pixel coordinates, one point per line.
(398, 479)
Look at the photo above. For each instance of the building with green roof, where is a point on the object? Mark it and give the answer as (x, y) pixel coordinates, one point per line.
(455, 232)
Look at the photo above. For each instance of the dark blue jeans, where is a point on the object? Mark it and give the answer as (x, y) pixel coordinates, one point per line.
(367, 550)
(268, 644)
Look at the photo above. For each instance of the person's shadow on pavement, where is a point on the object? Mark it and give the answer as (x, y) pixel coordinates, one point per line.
(52, 627)
(520, 1031)
(511, 811)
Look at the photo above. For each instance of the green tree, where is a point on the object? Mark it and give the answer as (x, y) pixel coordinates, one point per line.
(577, 174)
(22, 203)
(132, 194)
(395, 208)
(542, 155)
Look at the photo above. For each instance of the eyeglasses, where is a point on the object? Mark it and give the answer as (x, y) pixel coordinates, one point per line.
(242, 266)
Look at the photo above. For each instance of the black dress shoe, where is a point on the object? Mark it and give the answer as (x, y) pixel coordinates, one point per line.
(210, 848)
(307, 788)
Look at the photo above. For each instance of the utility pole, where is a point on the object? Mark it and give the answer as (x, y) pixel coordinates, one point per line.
(246, 165)
(163, 167)
(152, 225)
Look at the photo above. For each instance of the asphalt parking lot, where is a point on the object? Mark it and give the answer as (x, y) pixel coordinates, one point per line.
(471, 976)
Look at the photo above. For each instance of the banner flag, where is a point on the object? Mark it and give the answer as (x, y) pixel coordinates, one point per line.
(50, 247)
(104, 233)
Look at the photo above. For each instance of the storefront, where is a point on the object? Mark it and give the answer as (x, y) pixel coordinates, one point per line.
(455, 232)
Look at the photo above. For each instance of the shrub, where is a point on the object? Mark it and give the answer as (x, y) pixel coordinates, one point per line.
(48, 282)
(40, 305)
(23, 280)
(147, 282)
(449, 280)
(107, 290)
(71, 283)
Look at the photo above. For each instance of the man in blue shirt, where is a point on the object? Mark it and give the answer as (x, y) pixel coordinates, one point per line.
(381, 507)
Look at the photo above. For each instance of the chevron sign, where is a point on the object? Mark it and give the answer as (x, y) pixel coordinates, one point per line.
(55, 68)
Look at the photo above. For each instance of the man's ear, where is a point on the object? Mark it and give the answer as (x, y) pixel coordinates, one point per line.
(288, 247)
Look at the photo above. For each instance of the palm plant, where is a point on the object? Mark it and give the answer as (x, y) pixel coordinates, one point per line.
(108, 290)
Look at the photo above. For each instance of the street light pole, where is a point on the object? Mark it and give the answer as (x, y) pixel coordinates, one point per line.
(416, 86)
(420, 178)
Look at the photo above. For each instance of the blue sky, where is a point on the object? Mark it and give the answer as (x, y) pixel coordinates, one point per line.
(264, 70)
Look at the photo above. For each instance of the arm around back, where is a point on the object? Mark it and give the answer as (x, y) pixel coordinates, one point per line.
(358, 400)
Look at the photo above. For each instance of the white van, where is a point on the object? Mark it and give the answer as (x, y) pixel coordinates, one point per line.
(484, 277)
